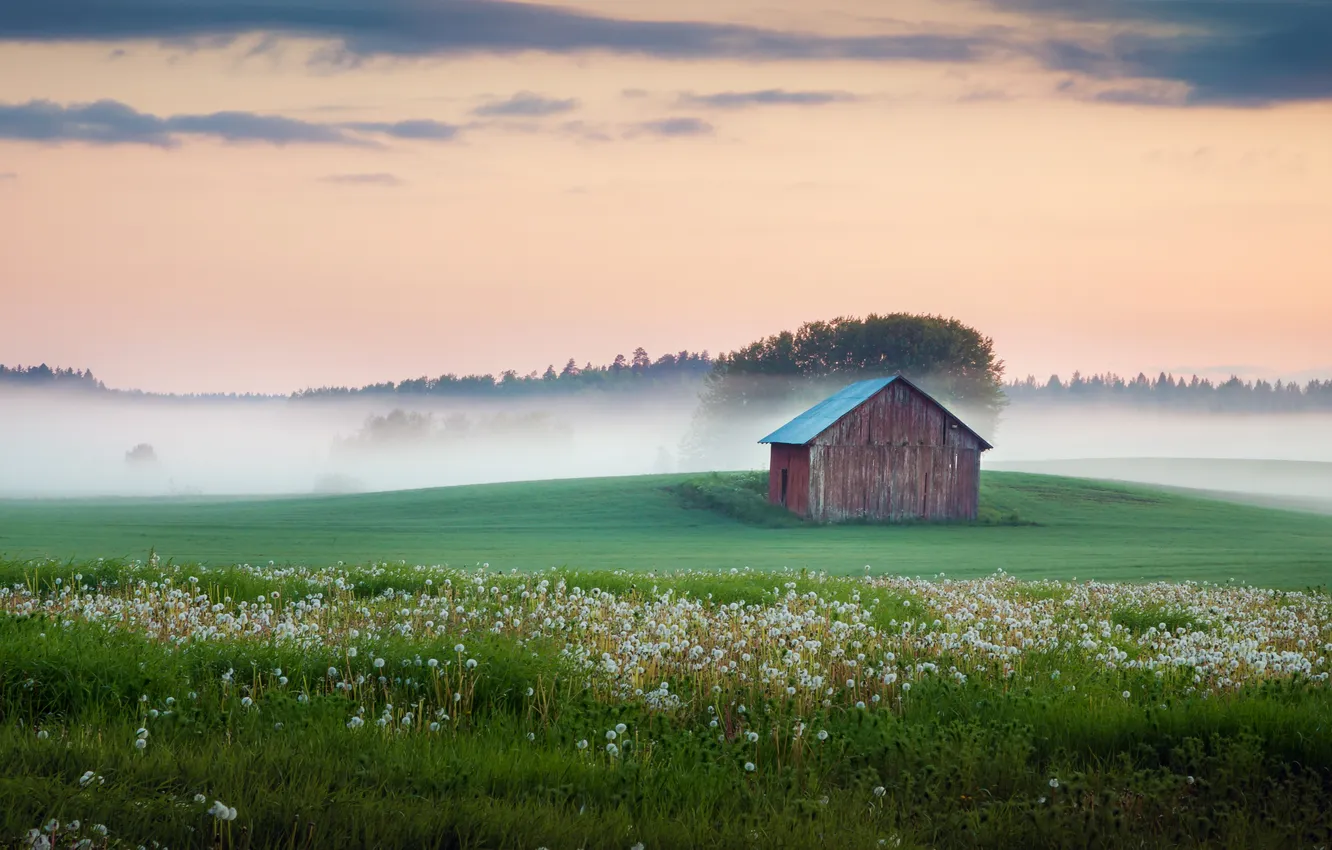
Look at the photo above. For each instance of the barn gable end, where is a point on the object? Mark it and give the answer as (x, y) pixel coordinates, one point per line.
(880, 449)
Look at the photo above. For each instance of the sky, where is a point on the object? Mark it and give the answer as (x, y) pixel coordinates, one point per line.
(201, 195)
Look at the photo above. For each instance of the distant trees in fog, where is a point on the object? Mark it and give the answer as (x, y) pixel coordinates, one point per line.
(637, 372)
(1167, 391)
(45, 376)
(409, 429)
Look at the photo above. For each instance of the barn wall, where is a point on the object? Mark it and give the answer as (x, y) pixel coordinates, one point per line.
(897, 456)
(794, 459)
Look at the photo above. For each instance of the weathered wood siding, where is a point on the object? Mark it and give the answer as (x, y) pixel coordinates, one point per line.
(795, 461)
(897, 456)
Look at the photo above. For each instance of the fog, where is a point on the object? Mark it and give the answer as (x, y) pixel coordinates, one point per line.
(53, 444)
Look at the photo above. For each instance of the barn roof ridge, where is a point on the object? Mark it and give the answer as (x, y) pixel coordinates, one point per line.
(804, 428)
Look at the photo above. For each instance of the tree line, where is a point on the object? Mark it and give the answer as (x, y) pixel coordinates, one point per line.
(637, 372)
(1175, 393)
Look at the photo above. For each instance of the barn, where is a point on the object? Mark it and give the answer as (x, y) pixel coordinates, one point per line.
(878, 449)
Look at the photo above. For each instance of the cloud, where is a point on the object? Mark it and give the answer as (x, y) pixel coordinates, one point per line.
(110, 122)
(364, 28)
(766, 97)
(419, 129)
(671, 128)
(526, 105)
(1227, 52)
(375, 179)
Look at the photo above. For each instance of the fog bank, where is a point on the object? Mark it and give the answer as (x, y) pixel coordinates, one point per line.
(54, 444)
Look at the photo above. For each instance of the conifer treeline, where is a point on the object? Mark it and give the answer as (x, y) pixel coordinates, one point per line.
(1168, 391)
(635, 373)
(641, 373)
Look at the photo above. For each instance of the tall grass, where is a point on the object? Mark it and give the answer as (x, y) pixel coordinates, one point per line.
(491, 755)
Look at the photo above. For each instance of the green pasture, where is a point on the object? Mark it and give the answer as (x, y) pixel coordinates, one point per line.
(1082, 529)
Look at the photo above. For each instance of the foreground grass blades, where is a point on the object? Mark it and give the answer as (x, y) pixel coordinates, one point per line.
(420, 707)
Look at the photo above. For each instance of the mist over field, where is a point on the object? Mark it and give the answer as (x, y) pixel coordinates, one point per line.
(56, 445)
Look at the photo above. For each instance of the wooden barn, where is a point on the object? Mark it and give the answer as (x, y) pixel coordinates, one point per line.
(879, 449)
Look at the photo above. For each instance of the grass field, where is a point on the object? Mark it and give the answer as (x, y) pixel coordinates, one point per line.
(426, 707)
(1084, 530)
(690, 680)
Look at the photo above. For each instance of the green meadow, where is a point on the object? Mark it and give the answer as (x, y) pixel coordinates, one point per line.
(1078, 529)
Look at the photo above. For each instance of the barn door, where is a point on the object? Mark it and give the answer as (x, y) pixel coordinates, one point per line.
(785, 475)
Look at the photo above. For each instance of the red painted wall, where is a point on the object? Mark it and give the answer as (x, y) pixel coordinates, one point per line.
(795, 460)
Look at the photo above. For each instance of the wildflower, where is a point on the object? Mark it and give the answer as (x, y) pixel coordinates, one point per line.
(140, 744)
(471, 664)
(222, 811)
(43, 735)
(432, 663)
(823, 735)
(530, 692)
(1054, 782)
(355, 723)
(879, 791)
(87, 779)
(582, 745)
(351, 652)
(1125, 695)
(434, 726)
(752, 737)
(531, 736)
(460, 649)
(621, 728)
(612, 750)
(749, 766)
(610, 735)
(199, 798)
(246, 702)
(379, 663)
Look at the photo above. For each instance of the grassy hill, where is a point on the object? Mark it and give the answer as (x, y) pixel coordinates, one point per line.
(1084, 530)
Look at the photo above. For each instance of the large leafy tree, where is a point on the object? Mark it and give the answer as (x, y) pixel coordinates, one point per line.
(952, 361)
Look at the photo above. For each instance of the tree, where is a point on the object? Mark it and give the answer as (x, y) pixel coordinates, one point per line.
(953, 362)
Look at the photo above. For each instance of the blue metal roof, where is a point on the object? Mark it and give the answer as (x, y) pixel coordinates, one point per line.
(816, 420)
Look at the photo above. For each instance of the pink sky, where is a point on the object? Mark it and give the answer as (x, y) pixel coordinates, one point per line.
(1189, 233)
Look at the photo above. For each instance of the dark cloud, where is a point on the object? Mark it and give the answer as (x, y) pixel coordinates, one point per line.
(1228, 52)
(110, 122)
(766, 97)
(436, 131)
(671, 128)
(375, 179)
(365, 28)
(526, 105)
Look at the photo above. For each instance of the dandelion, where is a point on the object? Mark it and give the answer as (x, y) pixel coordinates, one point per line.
(433, 663)
(471, 664)
(612, 750)
(460, 649)
(582, 745)
(621, 728)
(140, 744)
(379, 663)
(610, 735)
(823, 735)
(199, 798)
(1125, 695)
(531, 736)
(530, 692)
(879, 790)
(434, 726)
(43, 735)
(752, 737)
(1054, 782)
(222, 811)
(749, 767)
